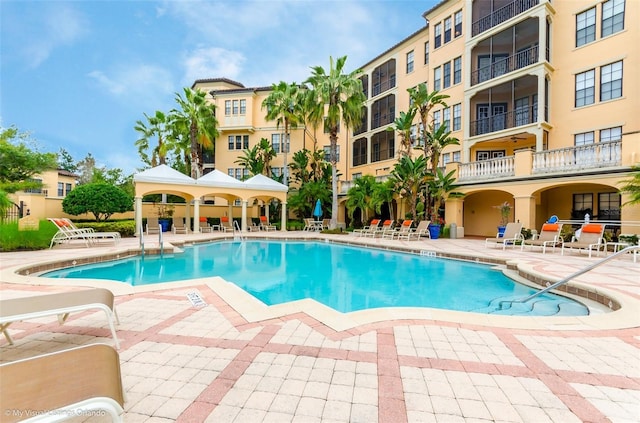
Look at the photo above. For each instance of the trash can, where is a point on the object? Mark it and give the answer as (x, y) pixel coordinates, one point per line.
(453, 231)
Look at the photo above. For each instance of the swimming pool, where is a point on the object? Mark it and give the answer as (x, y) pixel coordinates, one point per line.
(342, 277)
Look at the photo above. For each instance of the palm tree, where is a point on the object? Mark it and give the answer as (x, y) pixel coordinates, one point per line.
(197, 119)
(383, 192)
(158, 125)
(342, 96)
(403, 125)
(266, 153)
(410, 178)
(359, 196)
(632, 187)
(441, 188)
(249, 160)
(437, 140)
(422, 101)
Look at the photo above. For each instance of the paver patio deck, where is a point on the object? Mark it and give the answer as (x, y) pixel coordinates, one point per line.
(234, 361)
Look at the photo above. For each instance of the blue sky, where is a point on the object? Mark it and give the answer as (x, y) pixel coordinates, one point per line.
(79, 74)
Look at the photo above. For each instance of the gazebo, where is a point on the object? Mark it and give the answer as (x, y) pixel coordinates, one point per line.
(164, 179)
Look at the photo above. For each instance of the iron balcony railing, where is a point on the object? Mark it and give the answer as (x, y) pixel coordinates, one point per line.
(520, 116)
(509, 64)
(501, 15)
(383, 85)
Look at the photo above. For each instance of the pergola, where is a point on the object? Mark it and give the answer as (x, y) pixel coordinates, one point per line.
(164, 179)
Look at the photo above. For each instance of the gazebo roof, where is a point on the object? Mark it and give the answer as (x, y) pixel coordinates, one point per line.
(163, 174)
(263, 182)
(216, 178)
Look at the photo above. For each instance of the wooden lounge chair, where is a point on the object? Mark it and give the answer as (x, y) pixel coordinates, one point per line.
(178, 226)
(370, 228)
(68, 232)
(153, 226)
(264, 224)
(549, 237)
(62, 385)
(591, 238)
(60, 304)
(512, 234)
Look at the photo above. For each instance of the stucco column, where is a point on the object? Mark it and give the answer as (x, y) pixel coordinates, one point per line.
(138, 215)
(266, 211)
(187, 215)
(243, 226)
(453, 211)
(283, 218)
(525, 211)
(196, 216)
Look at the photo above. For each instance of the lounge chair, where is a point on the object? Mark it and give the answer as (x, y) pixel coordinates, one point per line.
(326, 223)
(265, 225)
(387, 226)
(61, 304)
(591, 238)
(512, 234)
(404, 229)
(178, 226)
(153, 226)
(63, 385)
(367, 229)
(549, 236)
(204, 225)
(226, 224)
(68, 232)
(420, 231)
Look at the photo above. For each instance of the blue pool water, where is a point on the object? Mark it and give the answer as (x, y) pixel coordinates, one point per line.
(342, 277)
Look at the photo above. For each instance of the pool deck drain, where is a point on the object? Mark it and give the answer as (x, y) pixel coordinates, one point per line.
(186, 363)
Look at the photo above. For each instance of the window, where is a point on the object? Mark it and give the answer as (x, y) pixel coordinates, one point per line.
(426, 53)
(611, 134)
(437, 38)
(608, 206)
(585, 88)
(275, 142)
(243, 107)
(436, 120)
(227, 107)
(413, 134)
(583, 139)
(457, 70)
(239, 173)
(236, 107)
(457, 117)
(612, 17)
(277, 171)
(68, 186)
(457, 20)
(327, 153)
(60, 189)
(586, 27)
(582, 205)
(436, 79)
(446, 70)
(447, 30)
(446, 118)
(456, 156)
(410, 62)
(360, 152)
(238, 142)
(489, 154)
(611, 81)
(522, 111)
(446, 158)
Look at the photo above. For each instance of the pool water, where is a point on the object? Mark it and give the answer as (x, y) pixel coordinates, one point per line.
(342, 277)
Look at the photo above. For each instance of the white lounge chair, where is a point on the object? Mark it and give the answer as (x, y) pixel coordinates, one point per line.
(68, 232)
(178, 226)
(421, 230)
(591, 238)
(153, 226)
(549, 236)
(512, 234)
(403, 230)
(368, 229)
(265, 225)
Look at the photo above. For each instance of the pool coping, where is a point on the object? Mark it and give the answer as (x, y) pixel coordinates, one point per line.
(254, 310)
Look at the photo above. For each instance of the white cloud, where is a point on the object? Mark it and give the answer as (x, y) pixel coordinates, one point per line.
(60, 26)
(211, 62)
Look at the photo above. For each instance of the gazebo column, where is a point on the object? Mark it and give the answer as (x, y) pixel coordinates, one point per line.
(244, 216)
(196, 216)
(138, 215)
(283, 218)
(266, 211)
(187, 214)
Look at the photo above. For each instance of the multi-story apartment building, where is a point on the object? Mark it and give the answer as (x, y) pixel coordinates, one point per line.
(543, 96)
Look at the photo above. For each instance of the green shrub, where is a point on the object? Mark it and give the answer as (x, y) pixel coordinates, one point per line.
(12, 239)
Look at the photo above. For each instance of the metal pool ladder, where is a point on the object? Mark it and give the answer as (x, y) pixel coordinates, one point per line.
(237, 233)
(634, 248)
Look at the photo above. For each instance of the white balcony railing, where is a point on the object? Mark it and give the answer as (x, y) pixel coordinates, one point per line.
(591, 156)
(487, 169)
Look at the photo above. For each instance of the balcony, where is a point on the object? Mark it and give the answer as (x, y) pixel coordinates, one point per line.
(500, 167)
(519, 117)
(500, 67)
(501, 15)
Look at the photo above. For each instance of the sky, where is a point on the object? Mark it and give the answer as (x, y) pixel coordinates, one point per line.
(79, 74)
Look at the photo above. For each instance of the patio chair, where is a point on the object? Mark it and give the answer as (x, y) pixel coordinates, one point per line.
(226, 224)
(68, 232)
(512, 234)
(591, 238)
(368, 228)
(204, 225)
(549, 236)
(404, 229)
(265, 225)
(386, 226)
(153, 225)
(178, 226)
(421, 230)
(63, 384)
(326, 223)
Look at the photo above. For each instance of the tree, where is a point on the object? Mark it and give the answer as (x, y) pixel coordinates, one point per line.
(99, 199)
(437, 140)
(66, 161)
(158, 126)
(359, 196)
(441, 188)
(403, 125)
(410, 179)
(342, 97)
(266, 154)
(632, 187)
(383, 192)
(303, 199)
(85, 168)
(197, 119)
(422, 101)
(250, 160)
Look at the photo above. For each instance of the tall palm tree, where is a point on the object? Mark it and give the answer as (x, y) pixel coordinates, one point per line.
(359, 196)
(156, 126)
(410, 177)
(632, 187)
(266, 153)
(437, 140)
(383, 192)
(250, 160)
(197, 119)
(340, 95)
(442, 187)
(422, 101)
(403, 125)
